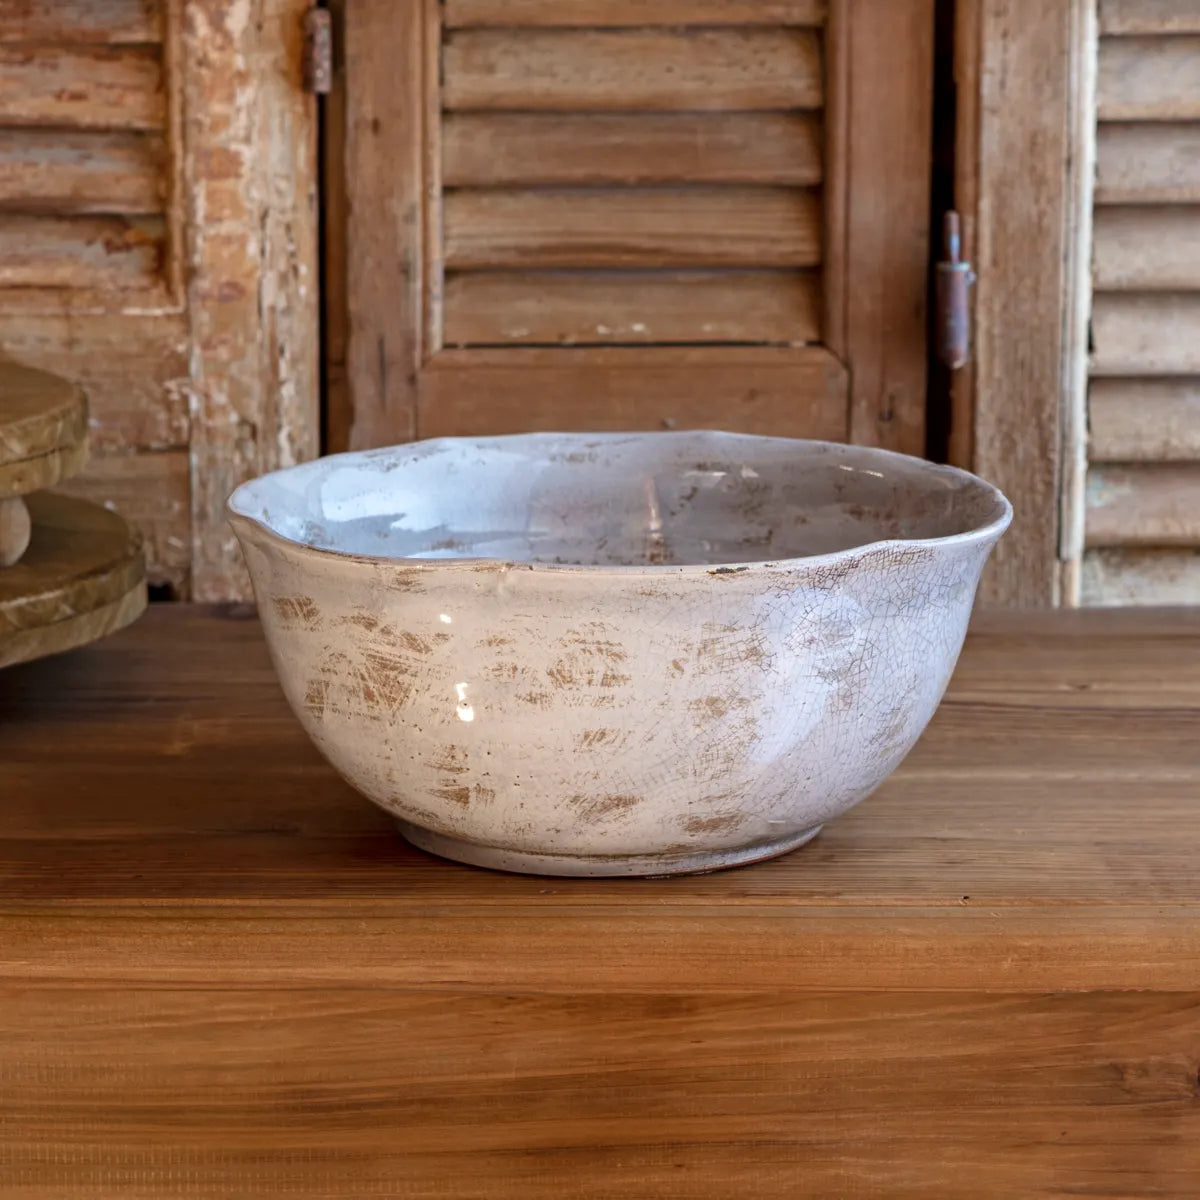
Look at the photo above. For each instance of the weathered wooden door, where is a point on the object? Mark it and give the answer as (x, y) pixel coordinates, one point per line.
(158, 244)
(617, 214)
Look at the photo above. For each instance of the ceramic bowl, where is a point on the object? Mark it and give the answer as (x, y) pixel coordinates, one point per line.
(615, 654)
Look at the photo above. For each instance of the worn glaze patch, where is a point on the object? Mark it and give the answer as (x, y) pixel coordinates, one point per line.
(562, 653)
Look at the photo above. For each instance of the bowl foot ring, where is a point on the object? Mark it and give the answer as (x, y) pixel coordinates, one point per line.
(647, 865)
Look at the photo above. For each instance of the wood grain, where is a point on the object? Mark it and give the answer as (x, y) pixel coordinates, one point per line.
(507, 149)
(632, 69)
(258, 990)
(43, 429)
(82, 560)
(1149, 79)
(581, 308)
(1148, 162)
(1145, 334)
(1022, 218)
(152, 491)
(790, 392)
(118, 87)
(1154, 576)
(601, 13)
(538, 1096)
(886, 224)
(125, 253)
(68, 21)
(1149, 16)
(133, 368)
(249, 192)
(1147, 248)
(82, 172)
(646, 227)
(1143, 505)
(1144, 420)
(377, 153)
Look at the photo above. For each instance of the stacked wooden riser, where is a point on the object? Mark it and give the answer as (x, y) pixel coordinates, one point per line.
(70, 571)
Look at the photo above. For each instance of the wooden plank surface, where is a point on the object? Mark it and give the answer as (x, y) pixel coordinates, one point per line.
(601, 13)
(590, 307)
(646, 227)
(1145, 334)
(1152, 248)
(1141, 162)
(632, 69)
(539, 1097)
(498, 149)
(117, 87)
(67, 21)
(1039, 837)
(1144, 420)
(1149, 79)
(1149, 16)
(82, 172)
(1143, 505)
(256, 989)
(769, 390)
(80, 252)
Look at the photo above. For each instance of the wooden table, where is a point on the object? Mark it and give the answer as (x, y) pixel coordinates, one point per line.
(222, 975)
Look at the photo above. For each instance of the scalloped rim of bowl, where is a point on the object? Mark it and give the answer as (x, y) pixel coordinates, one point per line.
(989, 531)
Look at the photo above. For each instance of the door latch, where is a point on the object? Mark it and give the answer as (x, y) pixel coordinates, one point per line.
(953, 298)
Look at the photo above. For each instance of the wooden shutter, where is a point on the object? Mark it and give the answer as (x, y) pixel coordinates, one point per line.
(613, 214)
(1142, 516)
(158, 244)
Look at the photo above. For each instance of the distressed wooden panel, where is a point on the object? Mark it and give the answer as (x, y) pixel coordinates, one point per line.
(1149, 79)
(249, 185)
(89, 87)
(81, 20)
(1143, 505)
(133, 368)
(1156, 577)
(117, 252)
(622, 306)
(1145, 334)
(1148, 163)
(1149, 16)
(601, 13)
(632, 69)
(1144, 420)
(490, 149)
(800, 392)
(82, 172)
(152, 491)
(633, 228)
(1146, 248)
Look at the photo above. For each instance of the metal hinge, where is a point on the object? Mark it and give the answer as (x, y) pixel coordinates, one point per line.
(318, 51)
(953, 298)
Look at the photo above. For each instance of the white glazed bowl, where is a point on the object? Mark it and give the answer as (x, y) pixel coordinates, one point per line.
(616, 654)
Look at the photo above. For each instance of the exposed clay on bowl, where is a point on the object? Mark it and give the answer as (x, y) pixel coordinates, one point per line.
(616, 654)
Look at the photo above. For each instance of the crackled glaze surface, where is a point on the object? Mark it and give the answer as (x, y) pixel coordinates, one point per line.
(618, 654)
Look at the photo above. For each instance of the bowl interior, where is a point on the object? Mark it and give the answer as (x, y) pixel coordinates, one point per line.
(616, 500)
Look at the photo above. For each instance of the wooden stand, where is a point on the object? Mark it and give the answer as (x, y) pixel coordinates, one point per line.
(70, 571)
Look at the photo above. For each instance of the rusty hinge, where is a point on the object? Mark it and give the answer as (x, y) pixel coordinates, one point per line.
(318, 51)
(953, 298)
